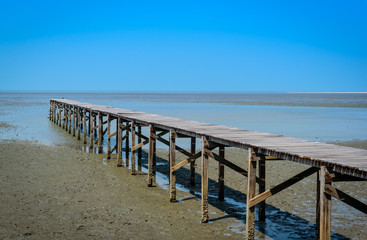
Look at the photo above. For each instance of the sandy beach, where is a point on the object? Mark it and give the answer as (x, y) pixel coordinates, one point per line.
(60, 192)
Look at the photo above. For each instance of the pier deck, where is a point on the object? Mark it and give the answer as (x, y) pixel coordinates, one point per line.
(331, 162)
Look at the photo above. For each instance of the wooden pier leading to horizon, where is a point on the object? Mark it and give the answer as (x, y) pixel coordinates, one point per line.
(332, 163)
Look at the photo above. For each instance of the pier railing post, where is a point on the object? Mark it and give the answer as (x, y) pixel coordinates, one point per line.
(204, 180)
(172, 162)
(119, 142)
(127, 144)
(151, 156)
(69, 118)
(108, 136)
(325, 204)
(140, 149)
(133, 171)
(85, 125)
(251, 188)
(100, 132)
(91, 129)
(262, 186)
(192, 163)
(78, 125)
(221, 175)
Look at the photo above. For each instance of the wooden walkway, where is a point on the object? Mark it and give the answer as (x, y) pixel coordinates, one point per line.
(332, 163)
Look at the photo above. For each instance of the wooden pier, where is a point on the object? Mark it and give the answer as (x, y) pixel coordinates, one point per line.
(331, 163)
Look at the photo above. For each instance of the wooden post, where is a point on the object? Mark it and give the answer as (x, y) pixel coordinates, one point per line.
(221, 176)
(69, 119)
(251, 189)
(94, 125)
(325, 204)
(74, 120)
(49, 112)
(85, 125)
(133, 171)
(140, 150)
(192, 163)
(172, 163)
(108, 136)
(100, 132)
(79, 122)
(127, 144)
(318, 205)
(119, 142)
(262, 186)
(63, 116)
(204, 181)
(151, 156)
(66, 120)
(91, 138)
(60, 116)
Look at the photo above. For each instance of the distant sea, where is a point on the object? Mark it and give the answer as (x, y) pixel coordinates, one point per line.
(310, 116)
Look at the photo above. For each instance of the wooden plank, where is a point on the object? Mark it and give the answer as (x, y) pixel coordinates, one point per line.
(69, 120)
(127, 143)
(172, 160)
(204, 181)
(325, 205)
(140, 150)
(139, 146)
(251, 188)
(114, 148)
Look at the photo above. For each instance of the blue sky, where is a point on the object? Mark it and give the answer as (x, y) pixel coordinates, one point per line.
(230, 46)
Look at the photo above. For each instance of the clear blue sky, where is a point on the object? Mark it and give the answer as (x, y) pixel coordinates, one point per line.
(183, 45)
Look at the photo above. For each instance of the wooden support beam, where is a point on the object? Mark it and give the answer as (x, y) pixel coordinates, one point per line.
(85, 125)
(181, 150)
(221, 175)
(100, 133)
(192, 163)
(151, 156)
(111, 135)
(133, 138)
(95, 124)
(204, 181)
(119, 143)
(114, 148)
(325, 204)
(127, 145)
(78, 128)
(104, 132)
(69, 118)
(74, 120)
(172, 160)
(342, 196)
(63, 116)
(280, 187)
(108, 136)
(251, 188)
(262, 185)
(140, 152)
(186, 161)
(91, 137)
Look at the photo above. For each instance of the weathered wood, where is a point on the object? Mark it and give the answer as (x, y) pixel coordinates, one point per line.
(119, 143)
(204, 181)
(140, 150)
(127, 144)
(192, 163)
(151, 156)
(325, 204)
(113, 148)
(172, 160)
(221, 175)
(262, 185)
(79, 120)
(74, 120)
(280, 187)
(181, 150)
(69, 119)
(108, 136)
(85, 125)
(340, 195)
(318, 205)
(100, 132)
(91, 138)
(112, 135)
(251, 188)
(95, 125)
(133, 138)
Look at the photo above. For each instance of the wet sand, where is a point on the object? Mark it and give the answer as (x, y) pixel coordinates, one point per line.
(59, 192)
